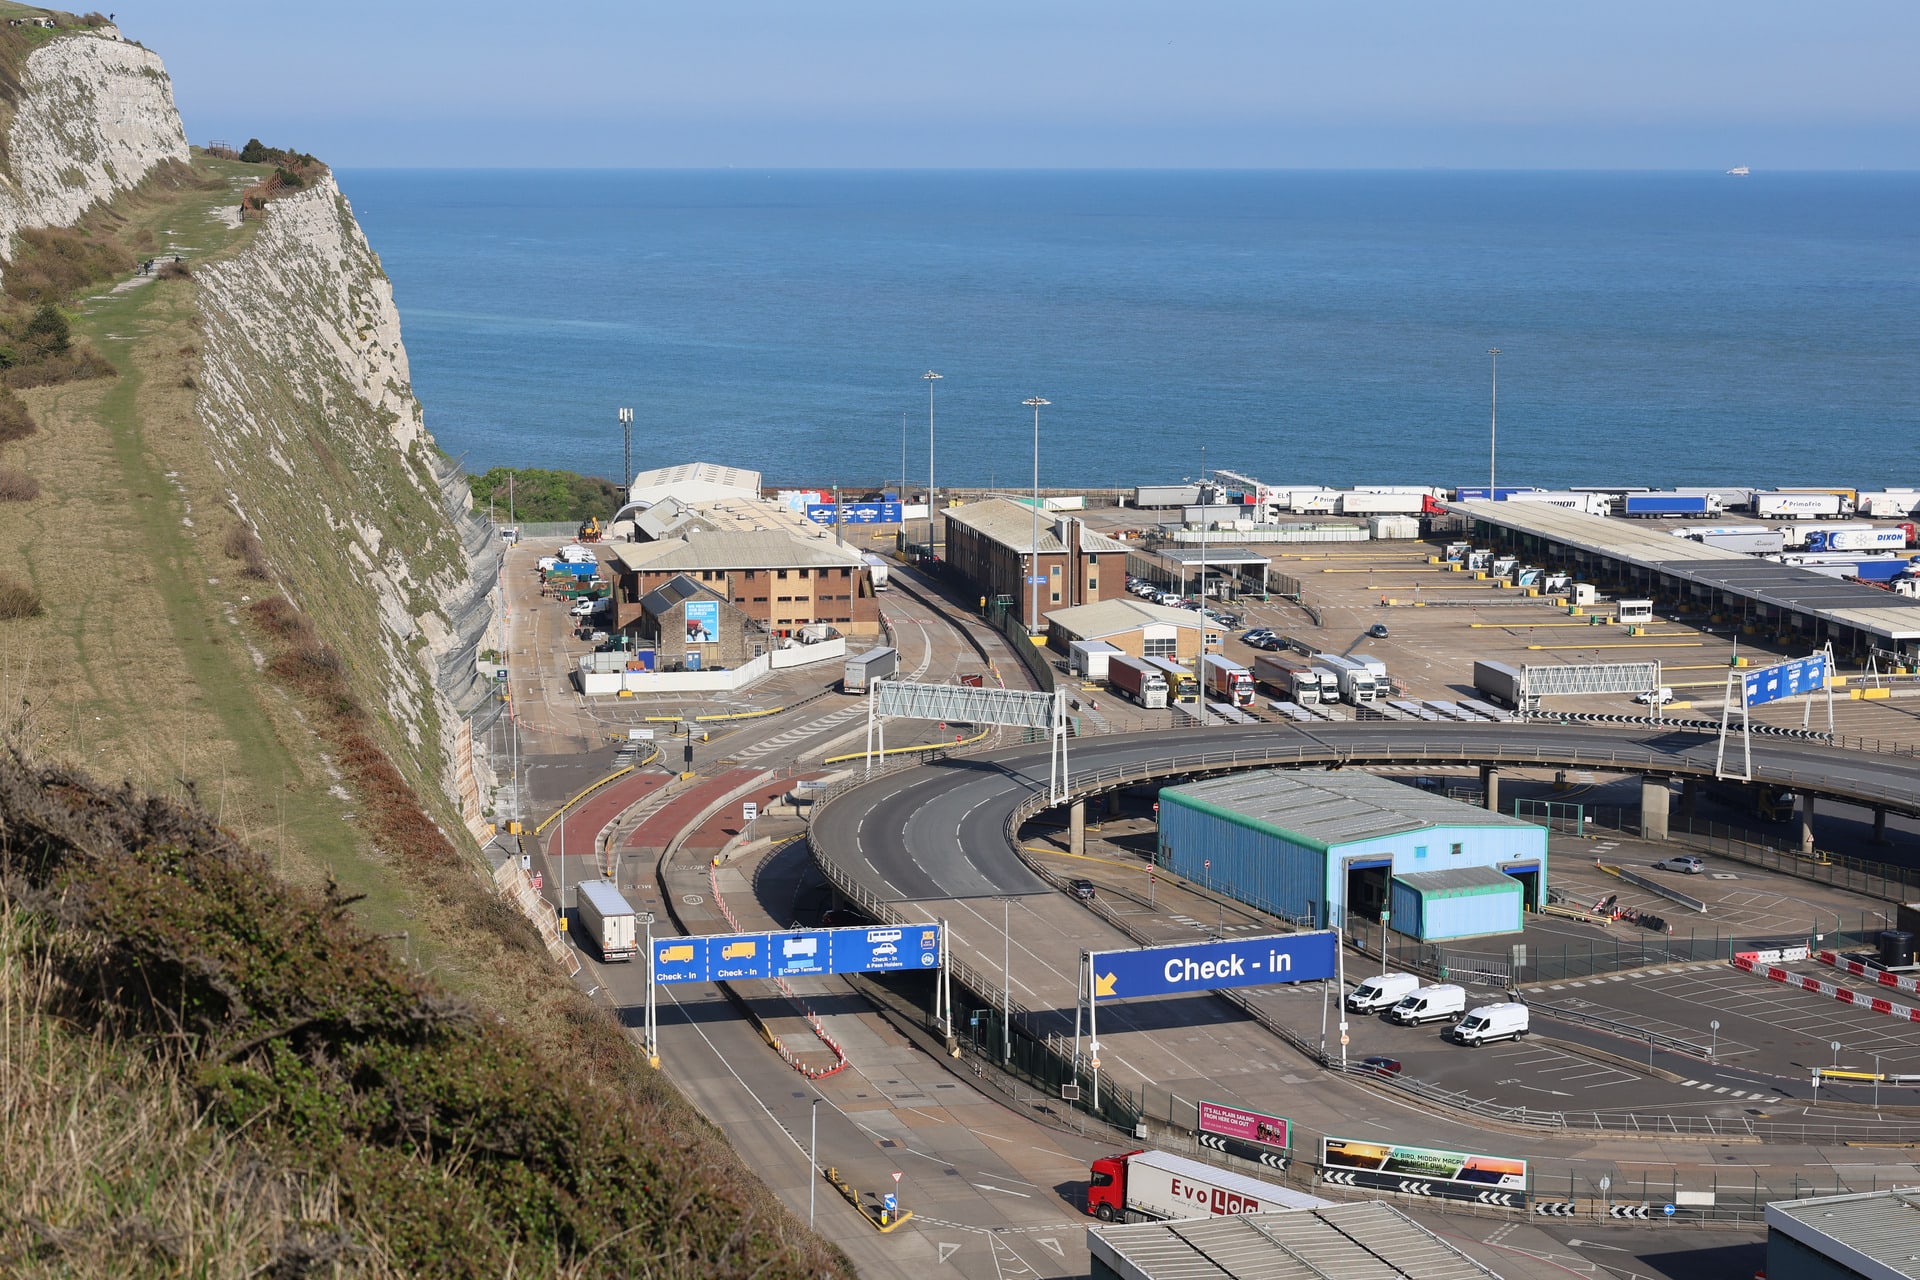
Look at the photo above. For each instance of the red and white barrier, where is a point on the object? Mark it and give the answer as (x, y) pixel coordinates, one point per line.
(1845, 995)
(813, 1020)
(1898, 981)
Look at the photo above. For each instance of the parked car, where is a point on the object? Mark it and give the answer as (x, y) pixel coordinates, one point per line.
(1655, 697)
(1378, 631)
(1684, 863)
(1081, 889)
(1380, 1064)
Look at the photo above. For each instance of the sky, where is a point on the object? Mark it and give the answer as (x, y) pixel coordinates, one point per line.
(1395, 84)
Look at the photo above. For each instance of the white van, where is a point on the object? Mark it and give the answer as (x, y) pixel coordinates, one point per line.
(1429, 1004)
(1492, 1022)
(1380, 993)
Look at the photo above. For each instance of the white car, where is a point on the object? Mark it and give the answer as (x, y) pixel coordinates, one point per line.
(1654, 697)
(1686, 864)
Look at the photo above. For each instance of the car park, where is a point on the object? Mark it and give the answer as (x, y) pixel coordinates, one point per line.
(1684, 863)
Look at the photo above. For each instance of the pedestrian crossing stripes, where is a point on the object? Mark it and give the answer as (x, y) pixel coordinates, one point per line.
(781, 742)
(1723, 1091)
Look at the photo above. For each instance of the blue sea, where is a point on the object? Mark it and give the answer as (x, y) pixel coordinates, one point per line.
(1304, 327)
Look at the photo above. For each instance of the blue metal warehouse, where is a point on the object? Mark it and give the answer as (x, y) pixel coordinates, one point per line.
(1318, 847)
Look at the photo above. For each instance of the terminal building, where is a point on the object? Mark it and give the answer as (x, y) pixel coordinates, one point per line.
(1795, 607)
(1363, 1239)
(1869, 1236)
(1137, 628)
(1321, 847)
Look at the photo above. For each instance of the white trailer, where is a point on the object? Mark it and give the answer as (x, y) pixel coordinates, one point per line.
(608, 919)
(1162, 1186)
(1594, 504)
(1357, 685)
(876, 570)
(1890, 504)
(1088, 658)
(1771, 506)
(1381, 504)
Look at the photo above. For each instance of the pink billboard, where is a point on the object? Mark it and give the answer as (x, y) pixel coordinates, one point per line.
(1250, 1126)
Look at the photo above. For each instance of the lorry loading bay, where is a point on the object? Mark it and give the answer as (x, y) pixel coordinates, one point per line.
(1615, 1041)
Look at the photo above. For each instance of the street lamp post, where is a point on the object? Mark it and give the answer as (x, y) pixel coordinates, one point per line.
(930, 377)
(1006, 980)
(1033, 578)
(1493, 427)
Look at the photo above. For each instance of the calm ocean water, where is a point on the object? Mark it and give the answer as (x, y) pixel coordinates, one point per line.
(1309, 327)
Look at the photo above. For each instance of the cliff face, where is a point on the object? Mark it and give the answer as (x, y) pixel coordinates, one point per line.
(94, 116)
(306, 392)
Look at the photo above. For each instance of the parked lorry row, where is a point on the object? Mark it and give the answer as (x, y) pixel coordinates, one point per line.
(1226, 680)
(1138, 680)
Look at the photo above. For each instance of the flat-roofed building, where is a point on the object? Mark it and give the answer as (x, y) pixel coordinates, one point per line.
(1330, 846)
(1135, 627)
(1874, 1235)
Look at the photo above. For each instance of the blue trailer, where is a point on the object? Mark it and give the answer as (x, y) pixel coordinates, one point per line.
(1671, 504)
(1500, 493)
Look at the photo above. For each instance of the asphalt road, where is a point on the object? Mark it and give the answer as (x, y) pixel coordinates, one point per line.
(940, 831)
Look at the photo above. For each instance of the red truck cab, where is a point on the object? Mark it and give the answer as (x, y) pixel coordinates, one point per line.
(1107, 1187)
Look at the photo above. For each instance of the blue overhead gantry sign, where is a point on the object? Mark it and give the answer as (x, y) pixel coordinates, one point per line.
(730, 957)
(1206, 966)
(1787, 680)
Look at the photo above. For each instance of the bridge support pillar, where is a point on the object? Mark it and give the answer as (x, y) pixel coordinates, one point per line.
(1806, 822)
(1654, 802)
(1879, 826)
(1689, 796)
(1077, 827)
(1490, 783)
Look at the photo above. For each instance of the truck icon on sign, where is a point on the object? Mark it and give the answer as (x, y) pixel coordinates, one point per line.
(739, 950)
(681, 951)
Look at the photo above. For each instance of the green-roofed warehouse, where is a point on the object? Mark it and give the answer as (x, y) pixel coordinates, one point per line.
(1313, 847)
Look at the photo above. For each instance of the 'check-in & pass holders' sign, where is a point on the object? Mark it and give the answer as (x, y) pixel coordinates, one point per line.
(732, 957)
(1207, 966)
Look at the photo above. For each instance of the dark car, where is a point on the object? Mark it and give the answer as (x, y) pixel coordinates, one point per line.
(1380, 1064)
(1081, 889)
(1378, 631)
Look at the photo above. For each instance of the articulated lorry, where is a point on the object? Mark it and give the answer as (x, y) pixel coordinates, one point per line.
(608, 919)
(1829, 506)
(1498, 681)
(1897, 538)
(1294, 677)
(1150, 1186)
(1357, 683)
(1227, 681)
(1138, 680)
(880, 663)
(1671, 504)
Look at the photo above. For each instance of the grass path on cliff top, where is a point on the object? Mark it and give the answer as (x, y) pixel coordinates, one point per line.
(141, 667)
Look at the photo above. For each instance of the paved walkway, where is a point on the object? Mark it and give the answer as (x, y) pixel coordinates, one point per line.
(677, 814)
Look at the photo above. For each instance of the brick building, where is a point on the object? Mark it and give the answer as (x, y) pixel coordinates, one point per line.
(773, 579)
(990, 545)
(1136, 628)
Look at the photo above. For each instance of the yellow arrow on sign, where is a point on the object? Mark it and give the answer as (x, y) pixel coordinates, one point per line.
(1103, 984)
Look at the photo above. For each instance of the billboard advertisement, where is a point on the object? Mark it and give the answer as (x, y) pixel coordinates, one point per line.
(728, 957)
(1208, 966)
(855, 512)
(1424, 1171)
(1248, 1126)
(1786, 680)
(703, 622)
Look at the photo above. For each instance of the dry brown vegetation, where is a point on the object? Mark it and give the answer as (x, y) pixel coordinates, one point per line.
(18, 600)
(244, 545)
(17, 486)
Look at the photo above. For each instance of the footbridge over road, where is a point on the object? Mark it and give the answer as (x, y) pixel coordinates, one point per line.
(948, 830)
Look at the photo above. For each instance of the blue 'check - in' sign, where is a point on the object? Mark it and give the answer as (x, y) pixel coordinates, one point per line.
(733, 957)
(1206, 966)
(1786, 680)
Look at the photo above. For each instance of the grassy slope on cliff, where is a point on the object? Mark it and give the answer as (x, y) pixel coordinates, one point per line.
(457, 1144)
(148, 664)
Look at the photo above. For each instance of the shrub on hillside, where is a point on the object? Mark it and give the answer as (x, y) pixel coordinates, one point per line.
(540, 495)
(15, 422)
(18, 600)
(77, 363)
(244, 545)
(17, 486)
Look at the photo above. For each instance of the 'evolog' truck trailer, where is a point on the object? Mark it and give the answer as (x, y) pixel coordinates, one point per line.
(863, 669)
(1227, 681)
(1137, 680)
(607, 918)
(1145, 1186)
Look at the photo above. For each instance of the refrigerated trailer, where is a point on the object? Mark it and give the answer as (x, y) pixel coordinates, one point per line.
(1226, 680)
(1137, 680)
(862, 670)
(608, 919)
(1147, 1186)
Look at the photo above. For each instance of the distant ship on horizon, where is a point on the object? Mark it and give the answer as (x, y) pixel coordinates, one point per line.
(1738, 171)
